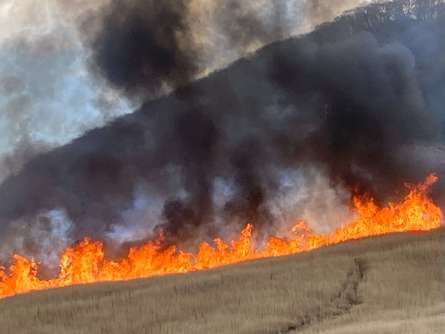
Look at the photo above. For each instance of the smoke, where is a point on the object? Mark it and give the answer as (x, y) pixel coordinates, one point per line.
(369, 104)
(290, 132)
(47, 96)
(149, 47)
(42, 238)
(145, 45)
(50, 94)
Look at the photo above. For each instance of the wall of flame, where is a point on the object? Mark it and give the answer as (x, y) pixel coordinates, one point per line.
(85, 262)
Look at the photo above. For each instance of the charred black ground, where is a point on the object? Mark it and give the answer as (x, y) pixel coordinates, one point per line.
(360, 98)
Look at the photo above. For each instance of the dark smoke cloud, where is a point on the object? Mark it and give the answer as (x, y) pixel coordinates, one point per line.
(369, 104)
(146, 44)
(356, 99)
(144, 47)
(45, 84)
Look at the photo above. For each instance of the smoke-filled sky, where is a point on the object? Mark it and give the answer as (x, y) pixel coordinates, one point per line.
(288, 132)
(48, 93)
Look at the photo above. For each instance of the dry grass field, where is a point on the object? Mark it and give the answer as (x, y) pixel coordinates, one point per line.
(393, 284)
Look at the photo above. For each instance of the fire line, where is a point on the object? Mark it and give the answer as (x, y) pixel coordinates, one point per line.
(85, 262)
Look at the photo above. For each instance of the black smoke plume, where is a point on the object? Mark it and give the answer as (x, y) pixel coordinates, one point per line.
(144, 45)
(360, 99)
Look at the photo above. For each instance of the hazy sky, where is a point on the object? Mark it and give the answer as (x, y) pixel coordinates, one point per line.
(47, 95)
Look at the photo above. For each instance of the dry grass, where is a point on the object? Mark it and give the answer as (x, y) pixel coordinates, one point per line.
(393, 284)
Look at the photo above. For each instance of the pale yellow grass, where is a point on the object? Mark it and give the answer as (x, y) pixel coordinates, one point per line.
(393, 284)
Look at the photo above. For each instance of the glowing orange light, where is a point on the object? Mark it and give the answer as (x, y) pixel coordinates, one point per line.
(85, 262)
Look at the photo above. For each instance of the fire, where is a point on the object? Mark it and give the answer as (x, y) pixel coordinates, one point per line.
(86, 263)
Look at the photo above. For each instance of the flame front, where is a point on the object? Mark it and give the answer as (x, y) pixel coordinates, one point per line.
(85, 262)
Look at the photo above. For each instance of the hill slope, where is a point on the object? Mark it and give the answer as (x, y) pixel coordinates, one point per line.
(393, 284)
(352, 98)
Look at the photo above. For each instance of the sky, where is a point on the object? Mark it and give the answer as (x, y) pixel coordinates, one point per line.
(48, 94)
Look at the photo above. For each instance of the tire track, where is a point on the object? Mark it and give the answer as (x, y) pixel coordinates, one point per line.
(340, 303)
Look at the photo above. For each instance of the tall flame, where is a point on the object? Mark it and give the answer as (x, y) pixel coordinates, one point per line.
(85, 262)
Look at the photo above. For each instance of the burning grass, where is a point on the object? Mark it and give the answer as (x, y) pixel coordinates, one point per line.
(392, 284)
(86, 263)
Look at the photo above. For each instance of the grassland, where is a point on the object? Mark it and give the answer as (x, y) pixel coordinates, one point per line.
(393, 284)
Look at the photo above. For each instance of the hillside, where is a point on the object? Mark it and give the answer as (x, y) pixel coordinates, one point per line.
(302, 145)
(309, 100)
(393, 284)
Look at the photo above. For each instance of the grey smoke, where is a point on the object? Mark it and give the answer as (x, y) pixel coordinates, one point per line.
(41, 238)
(49, 96)
(287, 133)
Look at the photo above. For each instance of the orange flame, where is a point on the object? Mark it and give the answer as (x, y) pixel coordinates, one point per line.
(85, 262)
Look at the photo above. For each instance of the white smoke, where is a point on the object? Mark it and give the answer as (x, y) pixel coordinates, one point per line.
(42, 238)
(307, 194)
(47, 95)
(138, 221)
